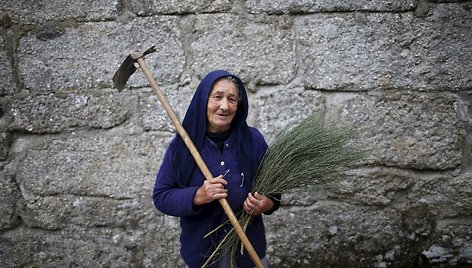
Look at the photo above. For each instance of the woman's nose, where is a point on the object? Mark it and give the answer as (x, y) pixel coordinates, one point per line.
(224, 104)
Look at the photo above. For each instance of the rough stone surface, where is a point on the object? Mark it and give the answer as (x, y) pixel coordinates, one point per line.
(7, 84)
(376, 186)
(149, 7)
(261, 51)
(408, 129)
(327, 227)
(362, 51)
(307, 6)
(95, 164)
(78, 159)
(4, 145)
(271, 123)
(31, 12)
(85, 247)
(9, 196)
(152, 114)
(88, 55)
(53, 113)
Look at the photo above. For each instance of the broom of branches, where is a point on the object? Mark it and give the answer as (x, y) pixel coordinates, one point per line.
(309, 154)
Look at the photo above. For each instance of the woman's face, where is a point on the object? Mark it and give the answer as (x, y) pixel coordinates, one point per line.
(222, 105)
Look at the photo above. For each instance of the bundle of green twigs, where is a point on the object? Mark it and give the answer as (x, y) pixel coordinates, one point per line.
(309, 154)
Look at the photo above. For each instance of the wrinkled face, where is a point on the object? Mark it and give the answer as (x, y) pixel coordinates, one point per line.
(222, 105)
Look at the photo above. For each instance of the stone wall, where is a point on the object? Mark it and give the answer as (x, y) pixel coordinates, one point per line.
(78, 158)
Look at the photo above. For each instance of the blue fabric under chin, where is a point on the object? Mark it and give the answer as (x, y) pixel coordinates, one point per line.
(195, 124)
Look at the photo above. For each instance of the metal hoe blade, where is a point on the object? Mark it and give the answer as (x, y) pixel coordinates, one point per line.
(127, 68)
(123, 73)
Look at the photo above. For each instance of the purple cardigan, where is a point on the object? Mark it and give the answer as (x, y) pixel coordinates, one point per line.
(196, 222)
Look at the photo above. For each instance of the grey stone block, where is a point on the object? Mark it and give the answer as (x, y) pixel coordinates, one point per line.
(373, 187)
(95, 164)
(30, 12)
(69, 247)
(325, 227)
(91, 247)
(274, 112)
(409, 130)
(147, 7)
(54, 113)
(103, 190)
(260, 50)
(5, 141)
(442, 253)
(307, 6)
(447, 196)
(366, 51)
(152, 115)
(87, 56)
(7, 83)
(64, 210)
(9, 196)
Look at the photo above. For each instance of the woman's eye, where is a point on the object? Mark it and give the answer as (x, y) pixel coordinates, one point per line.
(218, 98)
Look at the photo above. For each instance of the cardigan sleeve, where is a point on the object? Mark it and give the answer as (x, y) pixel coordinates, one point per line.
(167, 196)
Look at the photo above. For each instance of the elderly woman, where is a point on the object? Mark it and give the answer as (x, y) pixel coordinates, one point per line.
(216, 122)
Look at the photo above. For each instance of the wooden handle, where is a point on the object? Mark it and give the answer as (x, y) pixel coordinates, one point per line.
(199, 160)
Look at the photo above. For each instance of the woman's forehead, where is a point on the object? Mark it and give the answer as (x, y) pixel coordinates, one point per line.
(224, 85)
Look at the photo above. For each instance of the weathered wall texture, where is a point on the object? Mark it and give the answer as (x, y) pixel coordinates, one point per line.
(78, 158)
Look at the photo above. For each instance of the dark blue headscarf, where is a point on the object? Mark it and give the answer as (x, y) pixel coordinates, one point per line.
(195, 123)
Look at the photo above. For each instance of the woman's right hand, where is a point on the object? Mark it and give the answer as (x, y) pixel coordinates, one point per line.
(211, 190)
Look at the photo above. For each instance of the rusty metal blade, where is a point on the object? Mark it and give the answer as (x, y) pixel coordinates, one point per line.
(126, 69)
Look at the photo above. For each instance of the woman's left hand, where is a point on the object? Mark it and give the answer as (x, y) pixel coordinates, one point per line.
(257, 204)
